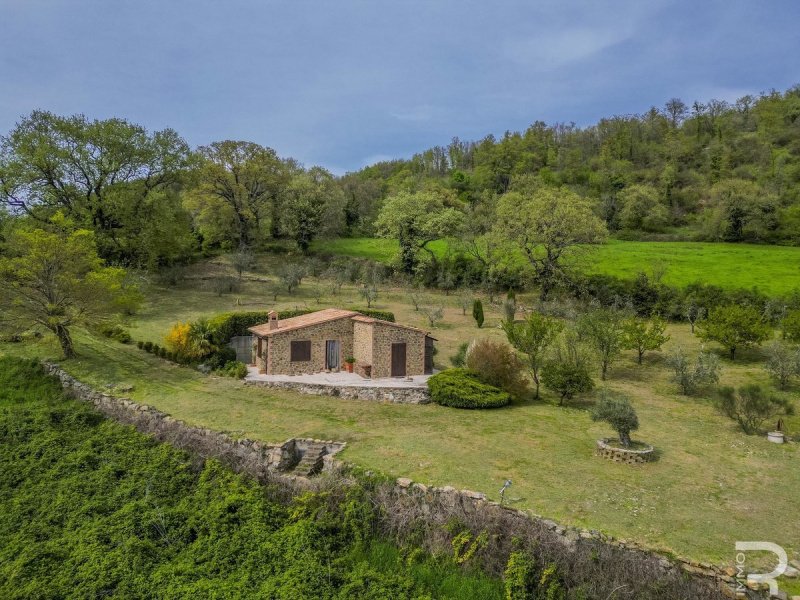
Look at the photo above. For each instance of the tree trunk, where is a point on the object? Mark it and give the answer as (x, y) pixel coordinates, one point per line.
(536, 381)
(733, 353)
(65, 339)
(625, 438)
(641, 354)
(545, 292)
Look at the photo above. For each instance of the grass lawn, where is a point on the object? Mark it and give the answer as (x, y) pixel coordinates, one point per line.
(775, 270)
(712, 485)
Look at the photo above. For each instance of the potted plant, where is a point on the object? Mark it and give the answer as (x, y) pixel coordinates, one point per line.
(348, 364)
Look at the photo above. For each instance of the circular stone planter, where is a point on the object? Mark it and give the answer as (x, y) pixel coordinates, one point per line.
(607, 449)
(776, 437)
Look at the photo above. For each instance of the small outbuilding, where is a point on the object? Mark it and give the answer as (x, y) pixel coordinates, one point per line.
(322, 340)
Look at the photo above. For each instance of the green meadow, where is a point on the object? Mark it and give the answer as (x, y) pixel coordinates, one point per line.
(774, 270)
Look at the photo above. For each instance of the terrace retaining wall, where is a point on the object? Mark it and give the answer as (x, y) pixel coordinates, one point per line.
(396, 395)
(269, 461)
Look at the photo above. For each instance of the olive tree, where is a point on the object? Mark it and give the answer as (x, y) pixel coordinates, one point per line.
(751, 405)
(619, 413)
(783, 362)
(693, 375)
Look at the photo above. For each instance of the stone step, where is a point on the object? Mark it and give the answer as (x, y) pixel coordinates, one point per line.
(311, 463)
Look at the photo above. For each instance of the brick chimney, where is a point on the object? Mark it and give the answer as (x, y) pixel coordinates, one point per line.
(273, 320)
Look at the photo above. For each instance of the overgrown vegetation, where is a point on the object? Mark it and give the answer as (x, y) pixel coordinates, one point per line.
(83, 499)
(751, 405)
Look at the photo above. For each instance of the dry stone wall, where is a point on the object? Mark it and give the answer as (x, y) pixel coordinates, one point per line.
(623, 455)
(395, 395)
(258, 459)
(407, 502)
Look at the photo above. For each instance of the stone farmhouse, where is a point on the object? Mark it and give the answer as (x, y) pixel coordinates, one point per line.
(322, 340)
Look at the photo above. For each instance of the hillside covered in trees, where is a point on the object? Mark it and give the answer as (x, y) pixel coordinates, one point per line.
(706, 171)
(710, 171)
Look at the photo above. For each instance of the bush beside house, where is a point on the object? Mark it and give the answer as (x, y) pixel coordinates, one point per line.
(463, 388)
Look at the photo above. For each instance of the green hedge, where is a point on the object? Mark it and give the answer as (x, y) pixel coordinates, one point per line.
(383, 315)
(462, 388)
(227, 325)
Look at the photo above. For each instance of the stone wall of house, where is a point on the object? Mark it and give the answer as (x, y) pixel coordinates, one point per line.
(362, 344)
(383, 336)
(280, 347)
(395, 395)
(260, 361)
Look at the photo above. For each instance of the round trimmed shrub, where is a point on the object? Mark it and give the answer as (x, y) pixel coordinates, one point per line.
(462, 388)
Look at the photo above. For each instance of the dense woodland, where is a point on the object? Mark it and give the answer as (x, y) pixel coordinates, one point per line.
(97, 197)
(710, 171)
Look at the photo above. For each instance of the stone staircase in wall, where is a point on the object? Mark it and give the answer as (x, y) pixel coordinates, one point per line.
(312, 460)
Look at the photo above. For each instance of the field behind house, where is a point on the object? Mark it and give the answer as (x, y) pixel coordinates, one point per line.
(711, 486)
(774, 270)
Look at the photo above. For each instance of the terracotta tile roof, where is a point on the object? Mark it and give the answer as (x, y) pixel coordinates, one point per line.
(390, 324)
(323, 316)
(364, 319)
(315, 318)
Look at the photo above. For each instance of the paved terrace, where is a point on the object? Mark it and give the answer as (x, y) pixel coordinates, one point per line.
(342, 378)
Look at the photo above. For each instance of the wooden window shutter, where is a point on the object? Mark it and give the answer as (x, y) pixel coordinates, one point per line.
(300, 351)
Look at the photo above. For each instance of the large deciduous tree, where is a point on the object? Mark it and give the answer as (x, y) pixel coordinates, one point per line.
(642, 209)
(547, 226)
(741, 210)
(109, 176)
(417, 219)
(314, 206)
(56, 280)
(239, 191)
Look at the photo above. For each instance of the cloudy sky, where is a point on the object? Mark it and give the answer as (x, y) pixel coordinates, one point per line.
(343, 83)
